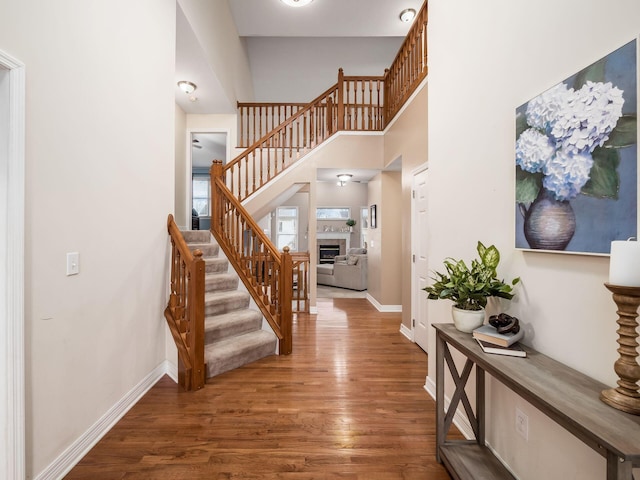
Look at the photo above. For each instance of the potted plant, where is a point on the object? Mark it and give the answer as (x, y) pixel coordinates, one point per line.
(470, 288)
(351, 223)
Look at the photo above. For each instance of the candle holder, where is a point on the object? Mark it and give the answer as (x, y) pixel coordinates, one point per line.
(625, 396)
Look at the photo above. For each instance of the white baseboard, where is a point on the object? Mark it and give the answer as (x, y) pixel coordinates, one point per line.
(172, 370)
(407, 332)
(459, 419)
(384, 308)
(78, 449)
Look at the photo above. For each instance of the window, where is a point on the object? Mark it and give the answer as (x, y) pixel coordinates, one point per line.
(364, 221)
(364, 217)
(201, 194)
(287, 228)
(333, 213)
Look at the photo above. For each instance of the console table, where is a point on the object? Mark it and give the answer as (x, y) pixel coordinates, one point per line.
(567, 396)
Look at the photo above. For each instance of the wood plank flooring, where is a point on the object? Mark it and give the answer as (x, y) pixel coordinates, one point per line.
(347, 404)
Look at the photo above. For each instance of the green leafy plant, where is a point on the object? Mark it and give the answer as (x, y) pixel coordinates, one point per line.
(470, 288)
(351, 222)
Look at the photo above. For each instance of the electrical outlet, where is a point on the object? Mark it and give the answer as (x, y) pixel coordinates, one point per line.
(522, 424)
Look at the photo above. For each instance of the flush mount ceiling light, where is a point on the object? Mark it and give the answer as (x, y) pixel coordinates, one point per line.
(344, 177)
(296, 3)
(407, 15)
(187, 87)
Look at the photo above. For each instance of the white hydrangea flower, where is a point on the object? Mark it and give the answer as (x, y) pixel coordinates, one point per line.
(542, 110)
(566, 173)
(533, 150)
(588, 118)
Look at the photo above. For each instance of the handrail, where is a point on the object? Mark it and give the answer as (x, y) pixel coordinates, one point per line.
(266, 273)
(185, 310)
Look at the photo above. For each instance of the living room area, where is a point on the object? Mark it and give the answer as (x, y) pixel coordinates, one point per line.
(342, 224)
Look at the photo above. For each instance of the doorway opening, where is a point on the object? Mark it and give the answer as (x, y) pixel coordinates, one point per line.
(205, 147)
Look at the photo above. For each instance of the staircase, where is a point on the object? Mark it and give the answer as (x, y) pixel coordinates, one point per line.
(233, 331)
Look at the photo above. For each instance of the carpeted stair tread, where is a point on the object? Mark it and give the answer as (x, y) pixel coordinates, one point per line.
(217, 327)
(207, 249)
(216, 265)
(220, 282)
(196, 236)
(226, 301)
(239, 350)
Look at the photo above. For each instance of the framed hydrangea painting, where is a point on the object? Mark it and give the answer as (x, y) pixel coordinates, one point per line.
(577, 160)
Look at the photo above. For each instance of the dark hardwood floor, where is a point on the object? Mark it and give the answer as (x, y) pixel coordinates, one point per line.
(349, 403)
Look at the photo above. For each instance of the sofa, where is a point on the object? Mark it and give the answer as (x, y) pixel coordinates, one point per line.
(347, 271)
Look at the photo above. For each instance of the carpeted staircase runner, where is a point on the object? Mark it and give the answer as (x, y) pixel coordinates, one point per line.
(233, 331)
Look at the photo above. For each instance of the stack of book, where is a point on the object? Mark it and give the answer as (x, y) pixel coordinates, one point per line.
(491, 341)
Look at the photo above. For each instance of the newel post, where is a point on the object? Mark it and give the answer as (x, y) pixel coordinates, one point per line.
(216, 171)
(340, 100)
(286, 297)
(196, 304)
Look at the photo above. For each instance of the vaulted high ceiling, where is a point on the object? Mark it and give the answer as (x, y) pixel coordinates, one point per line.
(296, 52)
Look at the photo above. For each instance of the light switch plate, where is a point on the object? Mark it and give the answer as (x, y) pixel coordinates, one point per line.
(73, 263)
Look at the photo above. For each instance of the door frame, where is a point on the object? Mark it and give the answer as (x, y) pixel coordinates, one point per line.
(189, 163)
(414, 242)
(12, 359)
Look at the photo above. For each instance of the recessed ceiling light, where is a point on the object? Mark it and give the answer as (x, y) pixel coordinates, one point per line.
(187, 87)
(407, 15)
(296, 3)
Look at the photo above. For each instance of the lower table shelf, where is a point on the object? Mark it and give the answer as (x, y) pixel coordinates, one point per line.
(468, 460)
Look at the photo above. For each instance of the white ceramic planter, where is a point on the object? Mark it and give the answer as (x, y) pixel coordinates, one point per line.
(467, 320)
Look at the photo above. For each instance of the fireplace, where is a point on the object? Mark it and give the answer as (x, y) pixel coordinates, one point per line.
(327, 252)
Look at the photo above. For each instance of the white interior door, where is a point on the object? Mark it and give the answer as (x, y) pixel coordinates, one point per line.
(420, 268)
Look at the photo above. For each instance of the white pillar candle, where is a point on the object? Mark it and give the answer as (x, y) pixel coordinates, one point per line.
(624, 266)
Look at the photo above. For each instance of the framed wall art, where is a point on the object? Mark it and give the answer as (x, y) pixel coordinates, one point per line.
(577, 160)
(373, 216)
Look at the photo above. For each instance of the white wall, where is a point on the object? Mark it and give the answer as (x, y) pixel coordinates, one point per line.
(213, 26)
(100, 181)
(485, 59)
(300, 71)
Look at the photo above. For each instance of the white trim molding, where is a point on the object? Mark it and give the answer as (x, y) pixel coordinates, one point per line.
(12, 352)
(384, 308)
(407, 332)
(78, 449)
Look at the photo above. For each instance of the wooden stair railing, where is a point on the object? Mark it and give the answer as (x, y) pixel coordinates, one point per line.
(284, 145)
(409, 67)
(257, 119)
(301, 261)
(266, 273)
(185, 311)
(354, 103)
